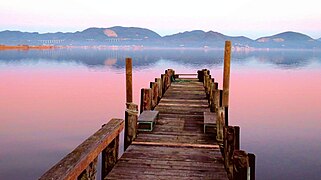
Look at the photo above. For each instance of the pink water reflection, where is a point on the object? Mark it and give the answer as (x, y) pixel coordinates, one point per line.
(48, 111)
(279, 115)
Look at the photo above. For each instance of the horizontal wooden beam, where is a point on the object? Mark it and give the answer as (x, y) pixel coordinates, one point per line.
(72, 165)
(186, 74)
(206, 146)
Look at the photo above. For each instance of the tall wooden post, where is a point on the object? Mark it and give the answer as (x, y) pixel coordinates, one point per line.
(226, 74)
(129, 80)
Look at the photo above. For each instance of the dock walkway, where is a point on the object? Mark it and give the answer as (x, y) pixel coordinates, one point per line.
(177, 148)
(182, 133)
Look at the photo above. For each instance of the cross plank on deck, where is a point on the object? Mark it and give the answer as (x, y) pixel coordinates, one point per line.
(177, 148)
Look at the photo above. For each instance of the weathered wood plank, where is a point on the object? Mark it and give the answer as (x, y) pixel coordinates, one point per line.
(177, 148)
(72, 165)
(177, 162)
(207, 146)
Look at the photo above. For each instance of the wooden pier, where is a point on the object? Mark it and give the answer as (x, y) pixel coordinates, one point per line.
(182, 132)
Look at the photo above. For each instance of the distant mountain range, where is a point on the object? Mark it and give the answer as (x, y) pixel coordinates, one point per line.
(133, 36)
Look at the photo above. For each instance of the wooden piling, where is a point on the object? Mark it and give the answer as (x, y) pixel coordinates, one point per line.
(211, 97)
(216, 99)
(154, 88)
(146, 99)
(226, 115)
(229, 147)
(215, 85)
(109, 157)
(163, 84)
(221, 97)
(160, 88)
(240, 165)
(220, 125)
(130, 124)
(129, 80)
(200, 75)
(251, 165)
(237, 137)
(226, 74)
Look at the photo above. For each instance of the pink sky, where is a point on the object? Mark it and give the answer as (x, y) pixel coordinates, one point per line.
(243, 17)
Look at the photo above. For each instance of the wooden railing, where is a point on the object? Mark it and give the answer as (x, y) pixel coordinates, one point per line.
(81, 163)
(239, 164)
(150, 96)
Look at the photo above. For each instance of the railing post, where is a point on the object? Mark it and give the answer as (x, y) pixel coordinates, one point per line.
(164, 80)
(90, 172)
(109, 157)
(154, 88)
(211, 97)
(251, 165)
(216, 99)
(230, 144)
(160, 88)
(240, 165)
(200, 75)
(226, 115)
(129, 80)
(221, 98)
(130, 124)
(146, 99)
(226, 74)
(208, 85)
(171, 74)
(220, 125)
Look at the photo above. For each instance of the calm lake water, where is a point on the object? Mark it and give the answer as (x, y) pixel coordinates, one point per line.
(50, 101)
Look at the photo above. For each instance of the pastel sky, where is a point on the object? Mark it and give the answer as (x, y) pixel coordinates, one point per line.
(252, 18)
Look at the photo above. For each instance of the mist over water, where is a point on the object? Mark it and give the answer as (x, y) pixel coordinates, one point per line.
(53, 100)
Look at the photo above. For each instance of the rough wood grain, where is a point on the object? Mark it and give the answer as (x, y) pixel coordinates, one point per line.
(72, 165)
(226, 74)
(131, 116)
(146, 99)
(177, 148)
(129, 80)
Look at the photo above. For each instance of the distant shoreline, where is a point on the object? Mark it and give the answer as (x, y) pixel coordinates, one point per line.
(27, 47)
(138, 48)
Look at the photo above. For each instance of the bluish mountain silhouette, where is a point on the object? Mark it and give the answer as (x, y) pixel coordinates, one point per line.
(128, 36)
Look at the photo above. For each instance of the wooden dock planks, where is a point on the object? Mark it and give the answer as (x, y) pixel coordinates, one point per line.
(177, 148)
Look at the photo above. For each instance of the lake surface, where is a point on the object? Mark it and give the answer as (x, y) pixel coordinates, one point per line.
(50, 101)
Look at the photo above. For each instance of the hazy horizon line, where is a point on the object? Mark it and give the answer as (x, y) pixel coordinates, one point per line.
(161, 34)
